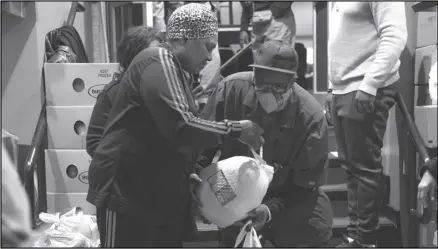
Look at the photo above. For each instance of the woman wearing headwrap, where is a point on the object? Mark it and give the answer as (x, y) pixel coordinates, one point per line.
(142, 171)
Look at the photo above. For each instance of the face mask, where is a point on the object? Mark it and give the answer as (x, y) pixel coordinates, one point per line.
(270, 104)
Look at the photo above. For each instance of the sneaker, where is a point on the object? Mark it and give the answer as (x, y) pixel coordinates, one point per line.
(349, 243)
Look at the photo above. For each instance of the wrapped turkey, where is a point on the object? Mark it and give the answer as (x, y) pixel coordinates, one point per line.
(233, 187)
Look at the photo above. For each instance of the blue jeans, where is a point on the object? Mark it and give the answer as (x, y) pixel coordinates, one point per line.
(359, 139)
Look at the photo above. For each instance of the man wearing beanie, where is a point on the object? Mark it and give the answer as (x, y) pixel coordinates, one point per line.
(366, 40)
(142, 170)
(295, 211)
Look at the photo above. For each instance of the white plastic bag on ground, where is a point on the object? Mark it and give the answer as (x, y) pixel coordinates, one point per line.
(73, 229)
(251, 237)
(233, 187)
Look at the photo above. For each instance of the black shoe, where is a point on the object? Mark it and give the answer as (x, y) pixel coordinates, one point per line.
(348, 243)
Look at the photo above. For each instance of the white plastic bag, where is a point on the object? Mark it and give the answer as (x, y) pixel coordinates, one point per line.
(233, 187)
(251, 237)
(73, 229)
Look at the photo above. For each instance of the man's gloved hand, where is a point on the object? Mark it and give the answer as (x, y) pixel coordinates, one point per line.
(258, 216)
(243, 38)
(328, 105)
(251, 134)
(426, 189)
(364, 102)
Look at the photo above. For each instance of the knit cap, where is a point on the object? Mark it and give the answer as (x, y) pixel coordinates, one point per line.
(192, 21)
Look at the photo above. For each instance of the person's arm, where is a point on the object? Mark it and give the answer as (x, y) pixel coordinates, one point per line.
(307, 167)
(223, 104)
(430, 166)
(162, 91)
(99, 116)
(213, 110)
(96, 126)
(245, 18)
(390, 20)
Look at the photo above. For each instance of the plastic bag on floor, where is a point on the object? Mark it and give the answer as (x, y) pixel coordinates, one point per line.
(250, 235)
(73, 229)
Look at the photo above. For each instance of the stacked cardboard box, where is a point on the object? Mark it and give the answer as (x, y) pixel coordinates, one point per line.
(71, 92)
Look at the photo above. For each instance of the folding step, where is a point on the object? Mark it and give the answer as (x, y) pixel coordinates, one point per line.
(388, 235)
(336, 192)
(333, 163)
(206, 232)
(331, 139)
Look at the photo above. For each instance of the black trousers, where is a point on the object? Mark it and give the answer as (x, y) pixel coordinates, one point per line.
(306, 222)
(118, 230)
(359, 139)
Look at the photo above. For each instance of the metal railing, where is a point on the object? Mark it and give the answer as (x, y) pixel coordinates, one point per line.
(236, 56)
(34, 170)
(34, 167)
(425, 213)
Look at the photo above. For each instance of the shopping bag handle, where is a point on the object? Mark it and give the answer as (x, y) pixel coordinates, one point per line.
(216, 156)
(242, 233)
(256, 155)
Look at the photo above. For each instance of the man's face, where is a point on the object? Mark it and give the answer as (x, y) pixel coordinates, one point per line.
(197, 53)
(274, 82)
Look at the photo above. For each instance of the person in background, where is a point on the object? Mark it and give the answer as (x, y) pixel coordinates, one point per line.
(366, 40)
(295, 211)
(270, 21)
(132, 43)
(142, 171)
(16, 210)
(169, 8)
(159, 17)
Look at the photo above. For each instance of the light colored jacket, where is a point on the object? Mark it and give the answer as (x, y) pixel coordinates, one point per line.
(16, 211)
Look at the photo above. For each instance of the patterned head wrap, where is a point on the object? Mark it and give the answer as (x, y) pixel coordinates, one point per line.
(192, 21)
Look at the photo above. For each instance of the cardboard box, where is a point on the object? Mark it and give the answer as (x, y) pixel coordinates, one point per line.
(426, 121)
(67, 171)
(61, 202)
(426, 28)
(422, 95)
(424, 59)
(67, 126)
(76, 84)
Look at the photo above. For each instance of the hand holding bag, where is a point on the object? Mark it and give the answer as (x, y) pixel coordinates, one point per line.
(250, 235)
